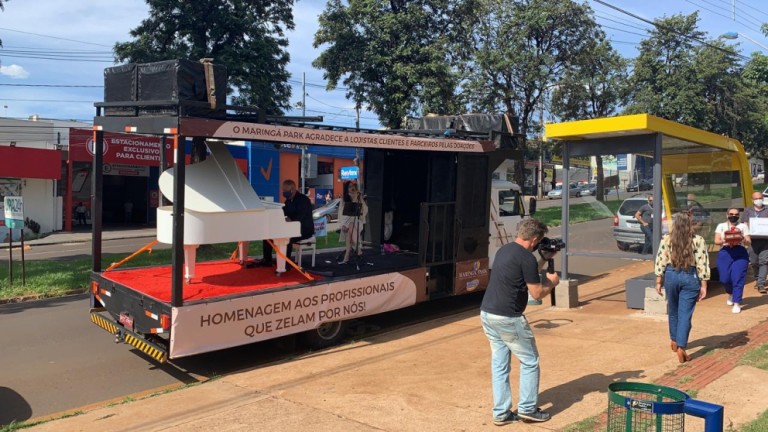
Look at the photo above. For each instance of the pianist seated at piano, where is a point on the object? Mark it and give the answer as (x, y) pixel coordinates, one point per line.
(297, 208)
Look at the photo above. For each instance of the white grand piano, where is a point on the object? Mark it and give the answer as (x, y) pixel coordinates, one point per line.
(220, 206)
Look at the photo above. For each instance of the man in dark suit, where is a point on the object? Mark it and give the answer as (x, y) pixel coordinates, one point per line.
(297, 208)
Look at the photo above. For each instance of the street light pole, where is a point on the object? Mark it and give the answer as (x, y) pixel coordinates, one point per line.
(736, 35)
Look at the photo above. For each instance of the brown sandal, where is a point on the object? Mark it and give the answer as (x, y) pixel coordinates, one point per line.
(682, 356)
(673, 345)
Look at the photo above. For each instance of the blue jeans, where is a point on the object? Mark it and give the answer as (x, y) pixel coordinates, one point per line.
(512, 336)
(682, 288)
(732, 263)
(648, 233)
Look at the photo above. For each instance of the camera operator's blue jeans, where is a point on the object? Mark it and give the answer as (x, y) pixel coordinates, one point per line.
(682, 287)
(512, 336)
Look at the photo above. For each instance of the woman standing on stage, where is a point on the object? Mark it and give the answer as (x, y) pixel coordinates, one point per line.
(352, 214)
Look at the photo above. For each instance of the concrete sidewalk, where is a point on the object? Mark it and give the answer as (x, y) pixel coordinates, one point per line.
(65, 237)
(435, 376)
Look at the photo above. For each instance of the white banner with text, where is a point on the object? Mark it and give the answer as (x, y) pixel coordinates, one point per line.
(212, 326)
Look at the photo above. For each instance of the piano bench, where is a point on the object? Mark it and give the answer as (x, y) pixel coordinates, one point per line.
(310, 243)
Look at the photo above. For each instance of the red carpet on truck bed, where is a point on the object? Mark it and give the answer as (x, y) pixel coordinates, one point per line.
(212, 279)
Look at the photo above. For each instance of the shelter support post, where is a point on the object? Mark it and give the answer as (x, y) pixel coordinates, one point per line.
(566, 294)
(177, 258)
(97, 193)
(657, 197)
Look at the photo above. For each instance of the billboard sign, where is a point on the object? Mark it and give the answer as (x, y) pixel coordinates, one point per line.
(350, 173)
(13, 212)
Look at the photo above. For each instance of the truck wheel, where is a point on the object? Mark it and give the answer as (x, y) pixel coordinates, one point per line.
(328, 334)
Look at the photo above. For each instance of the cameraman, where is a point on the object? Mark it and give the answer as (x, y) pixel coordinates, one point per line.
(515, 274)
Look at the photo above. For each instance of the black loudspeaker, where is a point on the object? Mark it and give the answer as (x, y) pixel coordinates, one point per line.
(181, 80)
(120, 85)
(169, 81)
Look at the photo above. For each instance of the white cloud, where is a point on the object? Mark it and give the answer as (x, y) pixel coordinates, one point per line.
(14, 72)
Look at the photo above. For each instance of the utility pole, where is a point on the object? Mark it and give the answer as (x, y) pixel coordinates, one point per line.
(540, 188)
(303, 148)
(357, 150)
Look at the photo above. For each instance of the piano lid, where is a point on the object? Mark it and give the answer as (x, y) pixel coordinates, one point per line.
(214, 185)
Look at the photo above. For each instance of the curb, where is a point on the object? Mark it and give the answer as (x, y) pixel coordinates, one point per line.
(34, 297)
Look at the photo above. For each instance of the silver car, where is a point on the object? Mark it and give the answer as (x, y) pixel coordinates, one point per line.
(330, 211)
(574, 190)
(626, 229)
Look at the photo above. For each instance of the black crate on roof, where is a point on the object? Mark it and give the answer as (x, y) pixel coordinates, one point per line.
(121, 85)
(181, 81)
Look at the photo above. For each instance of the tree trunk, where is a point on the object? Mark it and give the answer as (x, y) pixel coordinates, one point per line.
(599, 188)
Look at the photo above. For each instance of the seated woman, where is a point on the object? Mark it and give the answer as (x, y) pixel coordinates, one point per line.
(352, 214)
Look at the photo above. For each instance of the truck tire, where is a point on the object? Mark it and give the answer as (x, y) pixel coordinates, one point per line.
(328, 334)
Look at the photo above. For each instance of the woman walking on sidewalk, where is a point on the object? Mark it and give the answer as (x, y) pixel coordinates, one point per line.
(733, 258)
(682, 267)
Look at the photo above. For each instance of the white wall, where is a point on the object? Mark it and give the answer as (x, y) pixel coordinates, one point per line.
(41, 205)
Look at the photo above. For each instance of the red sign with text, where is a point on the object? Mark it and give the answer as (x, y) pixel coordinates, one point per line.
(119, 148)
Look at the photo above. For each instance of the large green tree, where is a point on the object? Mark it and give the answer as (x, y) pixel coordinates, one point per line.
(519, 49)
(247, 36)
(665, 80)
(392, 55)
(595, 85)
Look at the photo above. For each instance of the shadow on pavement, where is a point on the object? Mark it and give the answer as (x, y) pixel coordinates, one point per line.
(12, 308)
(14, 407)
(566, 395)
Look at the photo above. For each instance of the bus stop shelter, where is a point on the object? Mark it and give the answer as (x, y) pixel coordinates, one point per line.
(677, 152)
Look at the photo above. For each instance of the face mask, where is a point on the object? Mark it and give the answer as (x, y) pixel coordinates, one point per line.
(287, 194)
(758, 203)
(733, 219)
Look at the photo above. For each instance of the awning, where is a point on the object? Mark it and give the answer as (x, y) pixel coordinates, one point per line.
(31, 163)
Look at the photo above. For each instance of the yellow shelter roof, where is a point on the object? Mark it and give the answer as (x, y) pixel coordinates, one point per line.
(637, 124)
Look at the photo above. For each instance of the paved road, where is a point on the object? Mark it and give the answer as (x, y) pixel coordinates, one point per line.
(547, 203)
(54, 359)
(79, 250)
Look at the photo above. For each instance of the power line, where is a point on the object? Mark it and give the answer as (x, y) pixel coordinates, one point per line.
(47, 100)
(624, 31)
(732, 13)
(623, 23)
(71, 59)
(717, 13)
(54, 37)
(53, 85)
(753, 8)
(672, 30)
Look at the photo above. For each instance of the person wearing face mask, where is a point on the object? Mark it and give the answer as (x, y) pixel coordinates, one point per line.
(733, 258)
(644, 215)
(515, 275)
(297, 208)
(758, 253)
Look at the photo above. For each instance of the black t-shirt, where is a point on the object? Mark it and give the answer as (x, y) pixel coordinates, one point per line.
(299, 209)
(513, 269)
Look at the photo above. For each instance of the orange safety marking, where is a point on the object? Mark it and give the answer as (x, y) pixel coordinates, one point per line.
(131, 256)
(288, 260)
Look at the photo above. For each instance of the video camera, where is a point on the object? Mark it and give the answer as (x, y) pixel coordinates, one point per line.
(551, 245)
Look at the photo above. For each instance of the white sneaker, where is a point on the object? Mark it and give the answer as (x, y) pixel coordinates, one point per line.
(736, 308)
(729, 302)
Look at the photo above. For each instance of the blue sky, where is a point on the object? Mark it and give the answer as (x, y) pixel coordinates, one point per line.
(87, 29)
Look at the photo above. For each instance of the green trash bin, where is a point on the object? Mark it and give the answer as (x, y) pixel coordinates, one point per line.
(639, 407)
